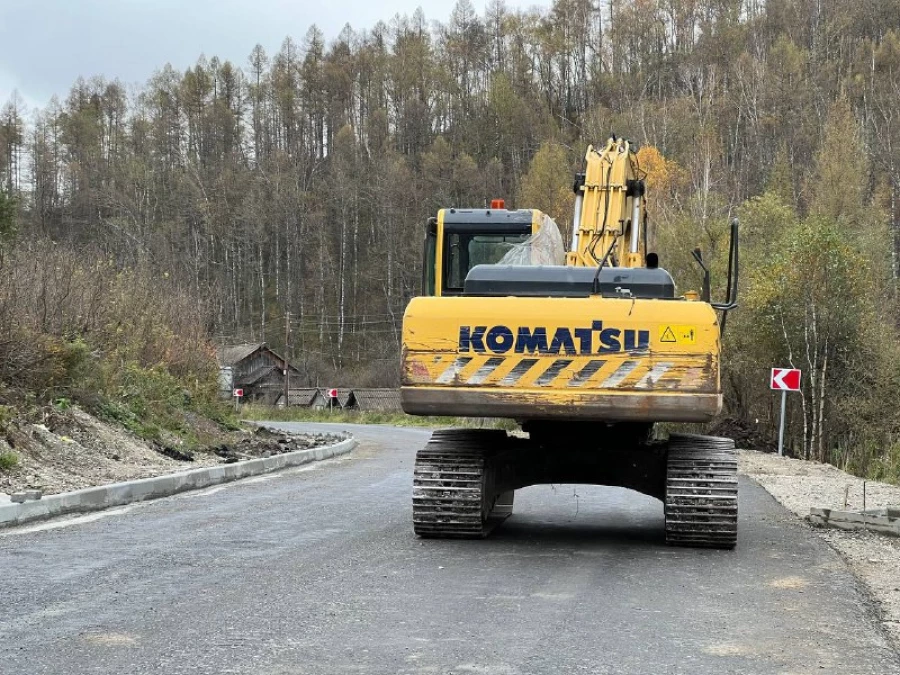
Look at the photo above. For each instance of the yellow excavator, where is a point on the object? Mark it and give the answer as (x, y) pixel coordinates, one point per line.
(587, 349)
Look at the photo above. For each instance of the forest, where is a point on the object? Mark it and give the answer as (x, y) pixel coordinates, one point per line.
(230, 201)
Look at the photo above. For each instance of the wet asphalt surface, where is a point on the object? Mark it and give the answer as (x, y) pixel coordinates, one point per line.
(317, 571)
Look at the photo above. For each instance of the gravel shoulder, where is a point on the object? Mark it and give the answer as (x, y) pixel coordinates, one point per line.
(800, 485)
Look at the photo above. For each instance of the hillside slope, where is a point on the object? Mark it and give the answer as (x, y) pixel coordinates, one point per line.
(71, 449)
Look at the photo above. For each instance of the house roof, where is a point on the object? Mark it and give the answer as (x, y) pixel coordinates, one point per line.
(302, 397)
(386, 400)
(229, 355)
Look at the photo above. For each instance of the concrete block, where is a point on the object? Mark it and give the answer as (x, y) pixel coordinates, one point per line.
(9, 513)
(93, 498)
(884, 521)
(35, 509)
(18, 497)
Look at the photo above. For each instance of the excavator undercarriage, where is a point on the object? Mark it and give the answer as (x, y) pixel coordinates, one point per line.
(465, 481)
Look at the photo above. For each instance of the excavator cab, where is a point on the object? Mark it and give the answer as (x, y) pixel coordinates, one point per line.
(459, 239)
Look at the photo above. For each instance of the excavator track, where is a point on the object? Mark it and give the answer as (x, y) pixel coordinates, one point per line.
(701, 501)
(453, 485)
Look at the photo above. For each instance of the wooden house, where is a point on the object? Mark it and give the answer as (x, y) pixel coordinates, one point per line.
(301, 398)
(256, 369)
(345, 398)
(377, 400)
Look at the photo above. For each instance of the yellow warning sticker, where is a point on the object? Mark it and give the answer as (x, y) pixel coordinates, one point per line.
(671, 334)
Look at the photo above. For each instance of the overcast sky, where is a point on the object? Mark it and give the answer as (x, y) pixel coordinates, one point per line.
(46, 44)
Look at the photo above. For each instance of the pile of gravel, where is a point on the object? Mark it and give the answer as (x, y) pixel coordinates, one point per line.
(266, 443)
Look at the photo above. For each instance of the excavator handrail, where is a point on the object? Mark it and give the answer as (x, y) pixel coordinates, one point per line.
(732, 282)
(733, 269)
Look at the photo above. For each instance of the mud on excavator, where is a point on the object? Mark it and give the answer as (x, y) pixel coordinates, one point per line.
(587, 350)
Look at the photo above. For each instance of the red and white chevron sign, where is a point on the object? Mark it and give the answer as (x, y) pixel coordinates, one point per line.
(786, 379)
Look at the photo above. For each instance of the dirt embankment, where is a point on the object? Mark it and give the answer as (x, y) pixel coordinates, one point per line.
(71, 450)
(800, 485)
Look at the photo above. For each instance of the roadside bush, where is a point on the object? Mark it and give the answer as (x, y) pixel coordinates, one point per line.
(886, 466)
(8, 461)
(122, 342)
(6, 416)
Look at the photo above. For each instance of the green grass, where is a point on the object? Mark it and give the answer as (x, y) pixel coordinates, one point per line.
(259, 412)
(8, 461)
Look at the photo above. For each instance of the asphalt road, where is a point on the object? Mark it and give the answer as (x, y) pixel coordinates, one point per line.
(317, 571)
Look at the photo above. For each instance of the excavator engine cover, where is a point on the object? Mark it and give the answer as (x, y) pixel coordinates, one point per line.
(612, 359)
(568, 282)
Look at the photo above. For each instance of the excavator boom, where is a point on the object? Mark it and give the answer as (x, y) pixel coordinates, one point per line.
(609, 205)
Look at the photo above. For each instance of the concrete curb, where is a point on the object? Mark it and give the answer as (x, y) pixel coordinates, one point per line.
(119, 494)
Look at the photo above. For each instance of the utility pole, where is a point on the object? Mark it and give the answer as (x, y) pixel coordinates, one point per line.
(287, 367)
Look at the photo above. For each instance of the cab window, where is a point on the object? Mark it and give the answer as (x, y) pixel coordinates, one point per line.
(463, 251)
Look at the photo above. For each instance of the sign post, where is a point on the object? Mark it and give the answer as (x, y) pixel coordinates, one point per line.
(332, 397)
(238, 393)
(781, 423)
(784, 380)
